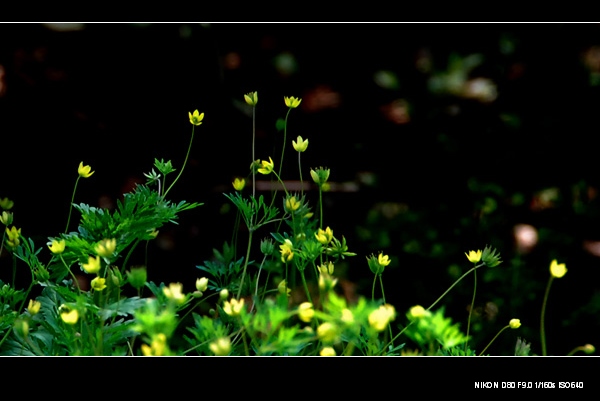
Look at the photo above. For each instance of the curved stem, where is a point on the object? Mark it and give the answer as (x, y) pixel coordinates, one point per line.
(284, 140)
(493, 339)
(71, 205)
(250, 231)
(373, 288)
(305, 286)
(184, 162)
(471, 310)
(253, 159)
(301, 181)
(542, 329)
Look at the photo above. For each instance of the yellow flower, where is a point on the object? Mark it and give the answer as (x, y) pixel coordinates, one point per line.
(69, 316)
(93, 265)
(84, 171)
(589, 349)
(6, 204)
(34, 307)
(57, 246)
(106, 247)
(196, 118)
(98, 284)
(221, 347)
(157, 347)
(283, 288)
(327, 351)
(202, 284)
(320, 175)
(474, 256)
(324, 236)
(377, 265)
(267, 166)
(379, 318)
(287, 251)
(233, 307)
(514, 323)
(557, 270)
(292, 204)
(13, 236)
(300, 145)
(327, 332)
(417, 311)
(326, 282)
(306, 312)
(6, 218)
(174, 292)
(292, 102)
(327, 268)
(239, 184)
(347, 316)
(251, 98)
(223, 294)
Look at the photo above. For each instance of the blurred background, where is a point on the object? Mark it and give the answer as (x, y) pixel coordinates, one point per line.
(441, 138)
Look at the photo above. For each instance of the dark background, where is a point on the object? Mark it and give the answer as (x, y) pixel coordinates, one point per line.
(438, 168)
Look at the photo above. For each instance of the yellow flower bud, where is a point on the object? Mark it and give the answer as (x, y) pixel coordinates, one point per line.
(514, 323)
(327, 332)
(417, 312)
(69, 316)
(327, 351)
(557, 270)
(13, 236)
(174, 292)
(379, 318)
(202, 284)
(287, 251)
(292, 204)
(251, 98)
(84, 171)
(6, 204)
(306, 312)
(6, 218)
(34, 307)
(324, 236)
(283, 288)
(223, 294)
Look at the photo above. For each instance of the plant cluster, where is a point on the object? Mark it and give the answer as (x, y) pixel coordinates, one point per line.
(279, 296)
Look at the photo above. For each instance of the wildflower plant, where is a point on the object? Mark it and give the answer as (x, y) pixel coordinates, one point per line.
(271, 290)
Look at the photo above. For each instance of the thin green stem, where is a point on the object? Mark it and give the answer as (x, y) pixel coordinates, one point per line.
(284, 140)
(250, 231)
(184, 162)
(542, 318)
(490, 343)
(253, 148)
(383, 298)
(301, 181)
(373, 288)
(471, 310)
(71, 204)
(305, 286)
(320, 207)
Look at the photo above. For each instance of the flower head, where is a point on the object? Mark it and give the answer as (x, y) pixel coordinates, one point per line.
(174, 292)
(300, 145)
(84, 171)
(239, 184)
(68, 315)
(221, 347)
(196, 118)
(202, 284)
(233, 307)
(34, 307)
(283, 288)
(106, 247)
(324, 236)
(557, 270)
(379, 263)
(379, 318)
(287, 251)
(292, 102)
(6, 204)
(137, 277)
(57, 247)
(93, 265)
(13, 236)
(474, 256)
(157, 347)
(514, 323)
(327, 332)
(6, 218)
(98, 284)
(417, 312)
(320, 175)
(251, 98)
(292, 204)
(327, 351)
(266, 166)
(306, 312)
